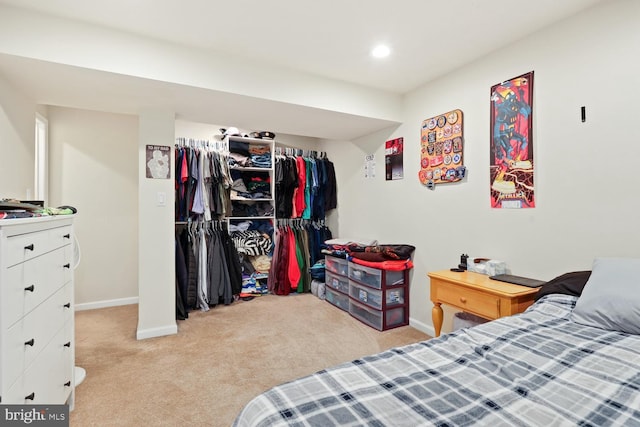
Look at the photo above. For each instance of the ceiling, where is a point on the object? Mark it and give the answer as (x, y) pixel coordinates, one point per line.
(329, 38)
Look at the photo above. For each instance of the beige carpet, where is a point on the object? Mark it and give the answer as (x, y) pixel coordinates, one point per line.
(217, 362)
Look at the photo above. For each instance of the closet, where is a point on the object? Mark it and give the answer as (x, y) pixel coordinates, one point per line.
(249, 219)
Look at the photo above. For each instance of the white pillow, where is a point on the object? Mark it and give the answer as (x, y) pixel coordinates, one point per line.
(611, 297)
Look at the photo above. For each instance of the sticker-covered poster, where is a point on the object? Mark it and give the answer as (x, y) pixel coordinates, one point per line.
(441, 139)
(393, 159)
(511, 156)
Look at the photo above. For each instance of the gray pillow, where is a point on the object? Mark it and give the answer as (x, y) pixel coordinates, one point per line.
(611, 297)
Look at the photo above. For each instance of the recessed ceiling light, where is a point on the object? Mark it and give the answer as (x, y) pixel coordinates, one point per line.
(380, 51)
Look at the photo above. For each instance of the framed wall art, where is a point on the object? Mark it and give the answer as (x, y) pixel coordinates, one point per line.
(393, 159)
(511, 145)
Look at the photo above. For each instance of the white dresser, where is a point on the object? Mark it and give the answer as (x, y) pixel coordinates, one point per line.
(37, 355)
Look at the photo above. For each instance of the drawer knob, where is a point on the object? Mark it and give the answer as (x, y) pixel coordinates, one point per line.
(67, 236)
(67, 384)
(29, 247)
(30, 288)
(67, 305)
(31, 342)
(67, 344)
(30, 397)
(463, 300)
(67, 265)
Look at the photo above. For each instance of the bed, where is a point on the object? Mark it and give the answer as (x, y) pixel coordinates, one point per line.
(544, 367)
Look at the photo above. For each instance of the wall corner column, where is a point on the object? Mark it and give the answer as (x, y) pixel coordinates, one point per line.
(156, 239)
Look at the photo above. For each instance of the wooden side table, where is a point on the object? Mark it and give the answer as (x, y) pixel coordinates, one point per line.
(478, 294)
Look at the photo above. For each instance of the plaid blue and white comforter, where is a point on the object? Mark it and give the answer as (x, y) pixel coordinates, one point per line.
(533, 369)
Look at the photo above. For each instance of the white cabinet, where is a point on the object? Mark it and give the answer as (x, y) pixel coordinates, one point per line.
(246, 206)
(37, 353)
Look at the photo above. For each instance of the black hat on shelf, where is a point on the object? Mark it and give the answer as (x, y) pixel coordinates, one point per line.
(267, 135)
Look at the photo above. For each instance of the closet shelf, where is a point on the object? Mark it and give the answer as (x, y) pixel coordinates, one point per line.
(250, 140)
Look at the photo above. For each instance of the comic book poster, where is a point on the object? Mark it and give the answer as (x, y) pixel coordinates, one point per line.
(393, 159)
(511, 155)
(441, 139)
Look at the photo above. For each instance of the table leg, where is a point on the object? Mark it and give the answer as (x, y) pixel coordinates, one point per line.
(437, 316)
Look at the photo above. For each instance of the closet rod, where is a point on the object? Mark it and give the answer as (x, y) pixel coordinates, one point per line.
(291, 151)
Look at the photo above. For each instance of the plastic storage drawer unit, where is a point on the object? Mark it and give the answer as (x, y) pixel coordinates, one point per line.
(373, 297)
(373, 277)
(337, 282)
(380, 320)
(336, 298)
(336, 265)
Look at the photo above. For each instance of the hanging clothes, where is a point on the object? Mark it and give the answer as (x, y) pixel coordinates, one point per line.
(208, 269)
(202, 180)
(305, 185)
(298, 247)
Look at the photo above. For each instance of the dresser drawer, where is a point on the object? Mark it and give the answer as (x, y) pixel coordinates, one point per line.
(31, 282)
(45, 378)
(22, 247)
(43, 322)
(61, 236)
(66, 299)
(482, 304)
(15, 394)
(13, 353)
(68, 356)
(49, 378)
(27, 338)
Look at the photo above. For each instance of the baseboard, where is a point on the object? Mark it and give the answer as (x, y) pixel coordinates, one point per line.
(106, 303)
(143, 334)
(423, 327)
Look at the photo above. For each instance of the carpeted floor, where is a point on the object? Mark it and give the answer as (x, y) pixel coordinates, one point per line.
(217, 362)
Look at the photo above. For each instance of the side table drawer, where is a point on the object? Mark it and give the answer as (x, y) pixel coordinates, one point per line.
(484, 305)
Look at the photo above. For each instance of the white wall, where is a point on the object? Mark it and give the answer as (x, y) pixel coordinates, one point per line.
(586, 173)
(93, 166)
(17, 143)
(33, 35)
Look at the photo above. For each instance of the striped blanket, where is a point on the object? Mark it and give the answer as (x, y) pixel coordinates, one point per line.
(537, 368)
